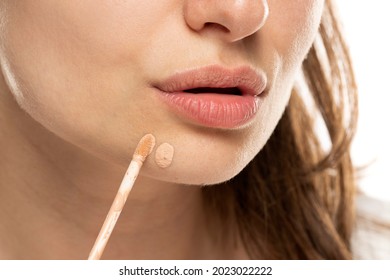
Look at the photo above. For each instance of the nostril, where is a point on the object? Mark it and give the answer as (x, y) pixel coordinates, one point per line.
(216, 26)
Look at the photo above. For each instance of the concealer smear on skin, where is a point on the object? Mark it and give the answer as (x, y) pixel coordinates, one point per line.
(164, 155)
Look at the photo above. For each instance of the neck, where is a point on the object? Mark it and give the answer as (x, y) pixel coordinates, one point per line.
(54, 198)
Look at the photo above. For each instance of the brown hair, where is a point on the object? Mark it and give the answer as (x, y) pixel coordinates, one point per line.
(295, 200)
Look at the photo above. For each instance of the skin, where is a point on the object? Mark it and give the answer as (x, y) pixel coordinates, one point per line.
(76, 96)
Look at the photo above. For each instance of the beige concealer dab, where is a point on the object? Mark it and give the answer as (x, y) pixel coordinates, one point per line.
(164, 155)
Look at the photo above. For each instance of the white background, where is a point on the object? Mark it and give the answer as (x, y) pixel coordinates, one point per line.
(367, 28)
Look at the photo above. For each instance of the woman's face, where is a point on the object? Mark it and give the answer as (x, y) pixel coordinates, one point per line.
(102, 73)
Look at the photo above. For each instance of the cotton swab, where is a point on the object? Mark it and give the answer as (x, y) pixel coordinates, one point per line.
(144, 148)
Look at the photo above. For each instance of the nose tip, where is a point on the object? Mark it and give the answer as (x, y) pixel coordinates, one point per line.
(231, 20)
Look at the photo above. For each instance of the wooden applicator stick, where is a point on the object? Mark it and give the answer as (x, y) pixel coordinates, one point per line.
(144, 148)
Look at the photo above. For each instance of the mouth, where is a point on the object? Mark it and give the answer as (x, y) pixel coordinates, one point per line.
(206, 90)
(214, 96)
(238, 81)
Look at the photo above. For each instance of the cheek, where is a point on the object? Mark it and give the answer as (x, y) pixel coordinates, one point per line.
(288, 35)
(63, 39)
(64, 64)
(292, 29)
(63, 53)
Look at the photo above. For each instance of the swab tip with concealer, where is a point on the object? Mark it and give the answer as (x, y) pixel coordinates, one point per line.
(145, 147)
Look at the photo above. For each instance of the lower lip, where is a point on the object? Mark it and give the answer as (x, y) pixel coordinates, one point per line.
(213, 110)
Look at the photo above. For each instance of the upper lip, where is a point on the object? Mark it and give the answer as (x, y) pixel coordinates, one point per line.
(245, 78)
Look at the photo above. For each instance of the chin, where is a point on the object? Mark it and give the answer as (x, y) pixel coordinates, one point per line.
(199, 177)
(204, 169)
(210, 176)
